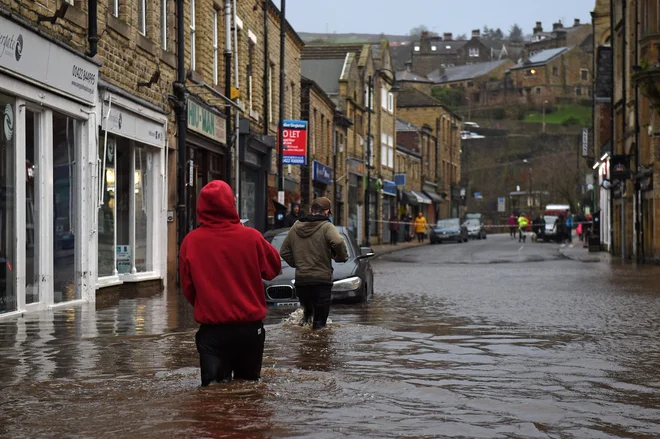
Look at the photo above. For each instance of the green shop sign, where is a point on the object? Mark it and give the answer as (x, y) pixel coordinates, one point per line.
(206, 122)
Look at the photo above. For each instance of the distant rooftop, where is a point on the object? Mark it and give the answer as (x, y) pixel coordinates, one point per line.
(543, 57)
(325, 72)
(462, 73)
(407, 75)
(402, 125)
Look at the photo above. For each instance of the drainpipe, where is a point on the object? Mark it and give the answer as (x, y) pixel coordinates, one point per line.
(267, 80)
(92, 27)
(280, 158)
(623, 125)
(228, 50)
(639, 231)
(612, 141)
(182, 121)
(334, 162)
(237, 158)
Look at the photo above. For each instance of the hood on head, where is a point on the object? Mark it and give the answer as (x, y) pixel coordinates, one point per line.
(216, 204)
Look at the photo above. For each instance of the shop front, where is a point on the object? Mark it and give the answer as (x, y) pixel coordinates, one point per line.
(321, 180)
(47, 172)
(206, 140)
(388, 193)
(255, 161)
(437, 199)
(132, 214)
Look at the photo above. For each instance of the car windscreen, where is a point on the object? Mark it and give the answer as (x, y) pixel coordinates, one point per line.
(550, 220)
(473, 223)
(454, 222)
(277, 241)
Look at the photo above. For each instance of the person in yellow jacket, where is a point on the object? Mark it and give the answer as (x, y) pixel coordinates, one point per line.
(420, 227)
(523, 222)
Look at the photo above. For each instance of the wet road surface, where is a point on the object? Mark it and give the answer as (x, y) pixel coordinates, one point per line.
(489, 339)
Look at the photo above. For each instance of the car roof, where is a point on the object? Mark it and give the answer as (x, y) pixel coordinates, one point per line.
(285, 230)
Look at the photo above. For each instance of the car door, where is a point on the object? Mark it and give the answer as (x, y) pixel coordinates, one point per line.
(363, 269)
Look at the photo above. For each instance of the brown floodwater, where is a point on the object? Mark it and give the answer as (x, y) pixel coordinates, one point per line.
(480, 340)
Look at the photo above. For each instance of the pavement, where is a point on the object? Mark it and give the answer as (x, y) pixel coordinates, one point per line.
(581, 254)
(384, 249)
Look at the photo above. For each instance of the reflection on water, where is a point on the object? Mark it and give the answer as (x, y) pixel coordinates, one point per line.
(561, 350)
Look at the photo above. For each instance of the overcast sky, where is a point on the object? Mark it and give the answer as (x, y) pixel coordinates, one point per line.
(456, 16)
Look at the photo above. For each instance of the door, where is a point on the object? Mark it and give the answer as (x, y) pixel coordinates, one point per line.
(8, 294)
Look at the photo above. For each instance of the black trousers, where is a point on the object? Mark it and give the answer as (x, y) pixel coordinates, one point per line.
(315, 301)
(230, 351)
(394, 235)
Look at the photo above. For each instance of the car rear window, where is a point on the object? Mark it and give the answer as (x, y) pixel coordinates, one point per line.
(277, 241)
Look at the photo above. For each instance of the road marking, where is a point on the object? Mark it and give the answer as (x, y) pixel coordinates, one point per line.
(521, 247)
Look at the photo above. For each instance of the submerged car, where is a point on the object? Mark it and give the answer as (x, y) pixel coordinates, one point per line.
(449, 230)
(353, 279)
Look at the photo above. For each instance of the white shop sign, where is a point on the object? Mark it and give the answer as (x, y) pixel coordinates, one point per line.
(130, 125)
(27, 54)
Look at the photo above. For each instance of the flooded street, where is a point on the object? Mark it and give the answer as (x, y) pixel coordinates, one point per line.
(480, 340)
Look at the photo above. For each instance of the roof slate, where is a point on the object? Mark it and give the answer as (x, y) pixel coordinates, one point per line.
(325, 72)
(402, 125)
(543, 57)
(405, 75)
(462, 73)
(414, 98)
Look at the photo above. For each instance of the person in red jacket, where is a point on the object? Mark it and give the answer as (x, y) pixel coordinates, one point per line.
(221, 267)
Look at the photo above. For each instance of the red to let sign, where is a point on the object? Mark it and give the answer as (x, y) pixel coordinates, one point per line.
(294, 141)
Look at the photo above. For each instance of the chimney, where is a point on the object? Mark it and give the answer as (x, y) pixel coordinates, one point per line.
(448, 36)
(539, 28)
(424, 35)
(576, 23)
(556, 26)
(476, 34)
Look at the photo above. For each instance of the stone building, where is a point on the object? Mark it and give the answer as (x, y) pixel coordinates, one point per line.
(409, 79)
(435, 52)
(422, 141)
(635, 161)
(560, 36)
(420, 109)
(561, 75)
(85, 149)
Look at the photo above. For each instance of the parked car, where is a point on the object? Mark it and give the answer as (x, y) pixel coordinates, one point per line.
(353, 279)
(476, 228)
(550, 229)
(449, 230)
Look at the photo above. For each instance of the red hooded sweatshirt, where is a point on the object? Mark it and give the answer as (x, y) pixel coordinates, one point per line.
(222, 263)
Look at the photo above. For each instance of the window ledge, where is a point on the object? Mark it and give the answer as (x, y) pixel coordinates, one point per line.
(118, 26)
(140, 277)
(146, 44)
(76, 16)
(110, 281)
(196, 76)
(168, 58)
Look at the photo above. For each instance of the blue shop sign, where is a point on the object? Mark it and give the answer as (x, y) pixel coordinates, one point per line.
(322, 173)
(389, 188)
(400, 179)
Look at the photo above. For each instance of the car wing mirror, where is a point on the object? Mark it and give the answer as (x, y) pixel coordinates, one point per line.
(366, 252)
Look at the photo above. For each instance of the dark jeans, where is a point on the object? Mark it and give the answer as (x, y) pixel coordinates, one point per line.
(315, 301)
(230, 349)
(394, 234)
(569, 235)
(512, 230)
(420, 237)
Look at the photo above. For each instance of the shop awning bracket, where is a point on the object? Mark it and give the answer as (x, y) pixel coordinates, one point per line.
(210, 90)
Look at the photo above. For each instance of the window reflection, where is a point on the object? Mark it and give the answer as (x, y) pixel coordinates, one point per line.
(7, 206)
(31, 214)
(106, 215)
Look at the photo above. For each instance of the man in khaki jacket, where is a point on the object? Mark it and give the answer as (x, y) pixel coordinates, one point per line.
(309, 247)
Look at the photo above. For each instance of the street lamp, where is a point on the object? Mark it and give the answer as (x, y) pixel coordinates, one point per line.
(544, 102)
(370, 85)
(531, 196)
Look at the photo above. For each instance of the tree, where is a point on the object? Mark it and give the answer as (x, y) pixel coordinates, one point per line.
(516, 34)
(451, 97)
(497, 34)
(487, 33)
(461, 37)
(417, 31)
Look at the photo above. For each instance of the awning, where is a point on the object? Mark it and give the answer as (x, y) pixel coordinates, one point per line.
(423, 199)
(409, 198)
(437, 198)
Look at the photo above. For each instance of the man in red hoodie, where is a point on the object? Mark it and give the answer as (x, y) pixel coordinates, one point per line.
(221, 266)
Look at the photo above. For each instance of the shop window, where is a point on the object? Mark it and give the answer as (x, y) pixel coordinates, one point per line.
(144, 197)
(106, 216)
(65, 132)
(7, 208)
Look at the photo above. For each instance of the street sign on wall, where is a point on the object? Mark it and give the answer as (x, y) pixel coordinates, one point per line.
(400, 179)
(501, 204)
(294, 142)
(585, 142)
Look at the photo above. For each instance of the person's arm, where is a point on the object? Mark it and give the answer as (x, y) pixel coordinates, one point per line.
(185, 275)
(269, 261)
(336, 243)
(287, 253)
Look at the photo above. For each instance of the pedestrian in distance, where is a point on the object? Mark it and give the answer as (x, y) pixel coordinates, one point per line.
(394, 229)
(560, 227)
(309, 247)
(569, 228)
(221, 267)
(513, 225)
(293, 216)
(406, 219)
(420, 227)
(523, 222)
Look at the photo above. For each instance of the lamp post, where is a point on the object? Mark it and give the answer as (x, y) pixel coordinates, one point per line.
(544, 102)
(370, 85)
(531, 196)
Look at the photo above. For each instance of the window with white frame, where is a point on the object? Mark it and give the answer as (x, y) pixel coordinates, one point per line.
(584, 74)
(163, 24)
(368, 100)
(474, 52)
(215, 46)
(390, 102)
(383, 149)
(417, 48)
(270, 93)
(390, 152)
(142, 17)
(370, 159)
(115, 8)
(383, 98)
(249, 73)
(192, 36)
